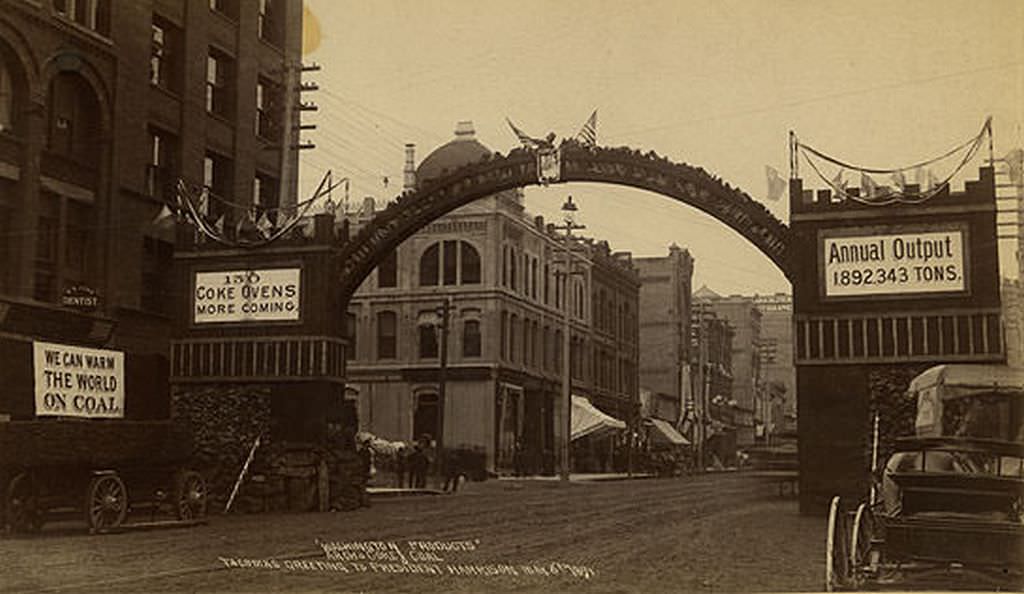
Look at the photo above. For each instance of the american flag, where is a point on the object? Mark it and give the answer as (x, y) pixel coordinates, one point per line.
(588, 133)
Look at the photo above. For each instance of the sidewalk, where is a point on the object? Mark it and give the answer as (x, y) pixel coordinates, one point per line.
(583, 477)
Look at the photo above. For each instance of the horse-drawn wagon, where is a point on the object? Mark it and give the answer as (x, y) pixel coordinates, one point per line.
(947, 510)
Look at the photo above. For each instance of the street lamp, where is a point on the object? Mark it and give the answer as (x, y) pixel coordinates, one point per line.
(441, 324)
(569, 211)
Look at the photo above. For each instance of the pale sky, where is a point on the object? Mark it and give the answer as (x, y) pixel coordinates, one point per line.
(717, 84)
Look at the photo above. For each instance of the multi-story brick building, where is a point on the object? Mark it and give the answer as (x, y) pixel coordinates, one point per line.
(499, 269)
(777, 370)
(665, 307)
(747, 386)
(713, 420)
(103, 106)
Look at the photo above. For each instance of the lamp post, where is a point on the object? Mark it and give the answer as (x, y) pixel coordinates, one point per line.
(444, 312)
(569, 210)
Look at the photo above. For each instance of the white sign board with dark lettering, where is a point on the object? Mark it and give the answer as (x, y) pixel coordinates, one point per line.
(911, 263)
(270, 295)
(78, 381)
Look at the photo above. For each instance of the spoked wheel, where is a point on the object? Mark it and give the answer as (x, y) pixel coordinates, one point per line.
(106, 502)
(23, 510)
(189, 495)
(837, 549)
(863, 553)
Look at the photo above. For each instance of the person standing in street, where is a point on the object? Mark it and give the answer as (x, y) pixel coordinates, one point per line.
(366, 469)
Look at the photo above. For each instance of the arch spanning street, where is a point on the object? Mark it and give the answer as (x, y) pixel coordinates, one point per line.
(621, 166)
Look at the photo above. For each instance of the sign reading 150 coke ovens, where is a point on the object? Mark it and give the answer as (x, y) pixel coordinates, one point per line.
(894, 262)
(268, 295)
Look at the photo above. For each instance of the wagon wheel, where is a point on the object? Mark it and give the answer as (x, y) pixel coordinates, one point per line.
(106, 502)
(862, 561)
(189, 495)
(837, 549)
(23, 509)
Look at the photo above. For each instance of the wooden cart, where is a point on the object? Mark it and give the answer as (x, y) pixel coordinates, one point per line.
(99, 470)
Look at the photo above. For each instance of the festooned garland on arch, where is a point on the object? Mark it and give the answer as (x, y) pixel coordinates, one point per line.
(256, 226)
(926, 183)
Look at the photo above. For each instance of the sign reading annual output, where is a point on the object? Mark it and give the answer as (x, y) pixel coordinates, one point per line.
(270, 295)
(908, 263)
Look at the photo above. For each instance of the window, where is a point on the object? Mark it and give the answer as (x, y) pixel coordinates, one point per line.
(428, 341)
(470, 264)
(387, 335)
(165, 55)
(228, 8)
(513, 328)
(504, 335)
(7, 108)
(451, 262)
(219, 81)
(64, 245)
(504, 265)
(533, 278)
(471, 340)
(513, 256)
(74, 123)
(350, 335)
(387, 271)
(265, 196)
(547, 284)
(268, 110)
(93, 14)
(430, 265)
(217, 182)
(161, 171)
(270, 21)
(157, 260)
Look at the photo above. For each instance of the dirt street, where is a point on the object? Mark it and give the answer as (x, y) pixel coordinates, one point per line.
(714, 533)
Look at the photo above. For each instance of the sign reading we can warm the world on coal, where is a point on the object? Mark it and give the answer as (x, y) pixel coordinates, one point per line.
(270, 295)
(78, 381)
(909, 263)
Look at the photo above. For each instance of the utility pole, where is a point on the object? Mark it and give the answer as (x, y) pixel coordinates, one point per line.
(569, 208)
(444, 311)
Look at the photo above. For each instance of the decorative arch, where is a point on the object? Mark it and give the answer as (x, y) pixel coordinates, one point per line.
(621, 166)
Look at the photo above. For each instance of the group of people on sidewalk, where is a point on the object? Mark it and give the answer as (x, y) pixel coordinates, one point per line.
(411, 465)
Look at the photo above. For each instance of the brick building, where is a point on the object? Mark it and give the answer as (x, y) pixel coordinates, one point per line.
(499, 269)
(103, 106)
(665, 307)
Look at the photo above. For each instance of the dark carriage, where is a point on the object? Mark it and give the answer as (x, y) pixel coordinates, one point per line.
(948, 508)
(97, 470)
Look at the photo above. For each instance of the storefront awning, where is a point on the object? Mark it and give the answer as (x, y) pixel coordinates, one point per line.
(664, 432)
(588, 420)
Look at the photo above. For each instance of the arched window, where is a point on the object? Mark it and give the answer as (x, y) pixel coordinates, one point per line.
(471, 340)
(74, 125)
(470, 265)
(450, 262)
(504, 335)
(430, 266)
(387, 335)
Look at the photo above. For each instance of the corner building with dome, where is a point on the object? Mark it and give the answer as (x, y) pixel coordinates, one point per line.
(499, 268)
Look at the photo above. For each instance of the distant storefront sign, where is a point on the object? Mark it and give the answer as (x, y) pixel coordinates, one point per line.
(80, 297)
(270, 295)
(910, 263)
(78, 381)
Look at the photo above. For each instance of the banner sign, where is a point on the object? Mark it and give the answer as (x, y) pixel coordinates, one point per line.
(270, 295)
(911, 263)
(78, 381)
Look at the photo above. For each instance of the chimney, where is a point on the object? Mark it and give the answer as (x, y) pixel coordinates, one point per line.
(410, 168)
(464, 130)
